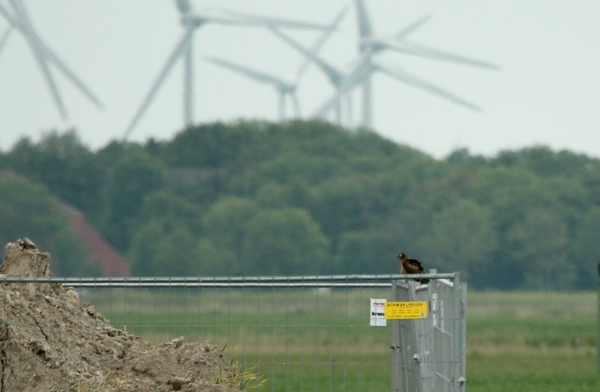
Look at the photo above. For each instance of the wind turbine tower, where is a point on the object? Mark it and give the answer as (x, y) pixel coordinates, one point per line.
(284, 87)
(370, 45)
(334, 76)
(192, 21)
(365, 32)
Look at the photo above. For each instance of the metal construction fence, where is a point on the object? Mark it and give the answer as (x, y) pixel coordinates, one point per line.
(430, 353)
(306, 333)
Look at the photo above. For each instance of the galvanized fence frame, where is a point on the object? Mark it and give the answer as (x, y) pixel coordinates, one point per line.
(358, 370)
(430, 353)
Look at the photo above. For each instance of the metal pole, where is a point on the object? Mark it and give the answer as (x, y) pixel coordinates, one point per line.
(396, 345)
(367, 105)
(456, 334)
(598, 337)
(463, 338)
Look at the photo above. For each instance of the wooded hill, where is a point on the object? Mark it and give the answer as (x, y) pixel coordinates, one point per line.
(296, 198)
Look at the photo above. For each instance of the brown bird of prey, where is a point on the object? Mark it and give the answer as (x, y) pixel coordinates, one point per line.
(411, 266)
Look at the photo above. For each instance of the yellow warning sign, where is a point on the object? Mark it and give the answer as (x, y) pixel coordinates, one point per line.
(405, 310)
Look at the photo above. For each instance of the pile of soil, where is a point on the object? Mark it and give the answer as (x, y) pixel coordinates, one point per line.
(50, 341)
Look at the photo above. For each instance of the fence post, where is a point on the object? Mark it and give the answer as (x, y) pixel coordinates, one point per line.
(462, 376)
(403, 343)
(457, 335)
(396, 346)
(598, 326)
(430, 354)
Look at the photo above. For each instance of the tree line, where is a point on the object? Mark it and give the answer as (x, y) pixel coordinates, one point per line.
(298, 198)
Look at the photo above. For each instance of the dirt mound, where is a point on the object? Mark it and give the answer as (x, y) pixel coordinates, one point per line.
(50, 341)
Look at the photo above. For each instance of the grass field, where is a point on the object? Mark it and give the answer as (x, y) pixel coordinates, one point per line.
(532, 342)
(301, 340)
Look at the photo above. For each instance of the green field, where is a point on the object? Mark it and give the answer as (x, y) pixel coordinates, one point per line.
(532, 342)
(303, 341)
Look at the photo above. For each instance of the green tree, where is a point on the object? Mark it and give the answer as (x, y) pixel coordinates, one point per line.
(171, 211)
(134, 176)
(176, 255)
(345, 204)
(542, 161)
(538, 243)
(370, 251)
(462, 238)
(65, 166)
(290, 194)
(281, 242)
(209, 145)
(585, 249)
(156, 252)
(226, 222)
(144, 248)
(29, 210)
(214, 261)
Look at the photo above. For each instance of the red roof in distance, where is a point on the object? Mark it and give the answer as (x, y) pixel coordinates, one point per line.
(113, 265)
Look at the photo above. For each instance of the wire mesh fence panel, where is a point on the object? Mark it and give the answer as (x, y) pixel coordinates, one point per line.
(296, 334)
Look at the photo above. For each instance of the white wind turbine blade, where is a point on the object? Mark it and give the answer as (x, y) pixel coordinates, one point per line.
(55, 59)
(427, 52)
(422, 84)
(335, 77)
(69, 74)
(197, 20)
(333, 74)
(272, 21)
(259, 76)
(177, 52)
(321, 41)
(184, 6)
(38, 53)
(412, 27)
(364, 22)
(12, 22)
(333, 102)
(283, 87)
(361, 71)
(4, 38)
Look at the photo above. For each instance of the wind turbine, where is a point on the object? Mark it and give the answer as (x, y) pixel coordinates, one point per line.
(363, 67)
(335, 77)
(19, 20)
(192, 21)
(4, 38)
(370, 45)
(284, 88)
(366, 65)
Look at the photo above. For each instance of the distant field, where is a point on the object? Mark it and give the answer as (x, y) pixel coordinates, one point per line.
(523, 342)
(515, 341)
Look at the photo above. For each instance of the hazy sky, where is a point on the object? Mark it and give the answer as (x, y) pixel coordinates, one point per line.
(547, 91)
